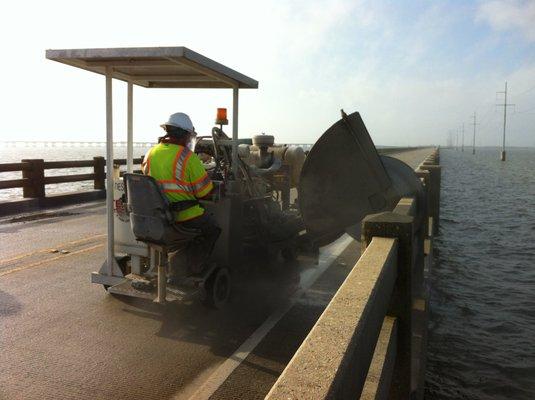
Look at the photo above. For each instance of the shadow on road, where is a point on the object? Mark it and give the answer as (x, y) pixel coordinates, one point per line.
(256, 295)
(9, 304)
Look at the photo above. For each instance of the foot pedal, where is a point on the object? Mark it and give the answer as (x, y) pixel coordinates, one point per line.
(142, 285)
(126, 288)
(140, 282)
(181, 293)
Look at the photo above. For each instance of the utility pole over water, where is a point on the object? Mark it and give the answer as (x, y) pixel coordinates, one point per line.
(474, 137)
(462, 141)
(504, 105)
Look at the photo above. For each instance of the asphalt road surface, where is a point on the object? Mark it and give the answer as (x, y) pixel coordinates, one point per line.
(62, 337)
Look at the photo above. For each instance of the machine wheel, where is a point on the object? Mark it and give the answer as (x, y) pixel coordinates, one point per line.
(218, 288)
(289, 253)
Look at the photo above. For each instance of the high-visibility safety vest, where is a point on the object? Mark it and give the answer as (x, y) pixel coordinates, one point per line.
(181, 174)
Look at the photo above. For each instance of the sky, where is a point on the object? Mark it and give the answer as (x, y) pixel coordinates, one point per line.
(414, 70)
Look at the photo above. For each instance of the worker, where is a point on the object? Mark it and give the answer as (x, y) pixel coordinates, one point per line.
(184, 180)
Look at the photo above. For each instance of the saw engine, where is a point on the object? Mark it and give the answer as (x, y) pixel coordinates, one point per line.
(269, 177)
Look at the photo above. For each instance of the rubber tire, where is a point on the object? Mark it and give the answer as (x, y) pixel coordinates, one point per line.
(289, 253)
(218, 289)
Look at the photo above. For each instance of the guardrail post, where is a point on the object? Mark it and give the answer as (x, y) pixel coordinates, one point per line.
(100, 176)
(34, 185)
(433, 193)
(425, 179)
(398, 226)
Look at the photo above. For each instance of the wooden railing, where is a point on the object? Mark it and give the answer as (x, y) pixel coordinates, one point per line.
(370, 341)
(33, 180)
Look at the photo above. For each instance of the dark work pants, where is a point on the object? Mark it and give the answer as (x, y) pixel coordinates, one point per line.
(192, 257)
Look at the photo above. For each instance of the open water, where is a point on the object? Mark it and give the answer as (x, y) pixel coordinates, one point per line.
(482, 325)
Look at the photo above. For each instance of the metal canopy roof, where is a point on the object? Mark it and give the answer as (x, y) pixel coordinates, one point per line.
(155, 67)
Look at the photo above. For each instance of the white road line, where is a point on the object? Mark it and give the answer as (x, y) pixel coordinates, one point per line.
(329, 254)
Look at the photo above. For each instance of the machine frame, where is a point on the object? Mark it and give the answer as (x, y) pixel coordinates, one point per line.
(149, 67)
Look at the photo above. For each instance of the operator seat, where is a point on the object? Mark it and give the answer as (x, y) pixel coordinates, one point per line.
(151, 218)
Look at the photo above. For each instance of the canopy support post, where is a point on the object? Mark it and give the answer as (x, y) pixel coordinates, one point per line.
(235, 132)
(110, 256)
(130, 129)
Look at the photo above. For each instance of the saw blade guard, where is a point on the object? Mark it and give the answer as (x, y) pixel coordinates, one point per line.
(344, 179)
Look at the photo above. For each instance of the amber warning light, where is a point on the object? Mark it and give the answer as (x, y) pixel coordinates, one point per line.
(221, 118)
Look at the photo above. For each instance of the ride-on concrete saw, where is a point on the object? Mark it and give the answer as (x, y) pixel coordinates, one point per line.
(247, 205)
(341, 181)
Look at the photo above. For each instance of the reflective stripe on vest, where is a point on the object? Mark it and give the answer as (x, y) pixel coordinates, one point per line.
(179, 184)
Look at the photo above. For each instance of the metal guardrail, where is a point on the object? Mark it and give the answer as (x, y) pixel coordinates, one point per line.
(370, 342)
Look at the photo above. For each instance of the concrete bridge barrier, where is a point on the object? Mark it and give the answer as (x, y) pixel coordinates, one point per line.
(370, 342)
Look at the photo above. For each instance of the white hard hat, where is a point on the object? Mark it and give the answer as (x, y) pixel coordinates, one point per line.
(180, 120)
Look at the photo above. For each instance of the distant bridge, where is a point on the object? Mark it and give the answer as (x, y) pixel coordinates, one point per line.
(85, 143)
(65, 143)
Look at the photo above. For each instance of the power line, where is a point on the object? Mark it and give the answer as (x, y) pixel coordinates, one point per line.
(451, 141)
(487, 117)
(525, 111)
(525, 91)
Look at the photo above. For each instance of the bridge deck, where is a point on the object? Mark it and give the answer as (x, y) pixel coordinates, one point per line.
(63, 337)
